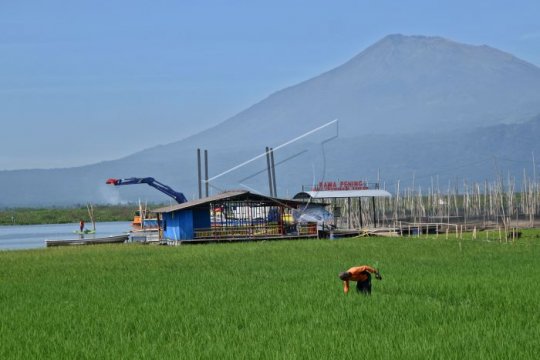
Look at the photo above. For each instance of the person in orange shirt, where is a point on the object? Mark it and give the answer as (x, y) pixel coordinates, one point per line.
(362, 276)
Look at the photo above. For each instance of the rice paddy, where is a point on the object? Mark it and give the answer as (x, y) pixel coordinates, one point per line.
(438, 298)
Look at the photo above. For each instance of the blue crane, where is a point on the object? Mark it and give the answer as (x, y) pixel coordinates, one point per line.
(178, 196)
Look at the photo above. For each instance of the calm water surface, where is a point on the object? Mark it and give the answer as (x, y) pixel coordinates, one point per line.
(34, 236)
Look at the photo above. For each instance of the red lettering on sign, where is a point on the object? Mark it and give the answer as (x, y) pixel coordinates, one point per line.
(341, 185)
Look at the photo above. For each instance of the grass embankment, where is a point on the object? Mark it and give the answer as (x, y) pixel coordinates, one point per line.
(278, 300)
(31, 216)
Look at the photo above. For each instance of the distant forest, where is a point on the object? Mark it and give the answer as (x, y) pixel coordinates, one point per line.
(33, 216)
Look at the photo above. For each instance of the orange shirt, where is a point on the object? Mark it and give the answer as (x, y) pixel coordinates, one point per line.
(356, 275)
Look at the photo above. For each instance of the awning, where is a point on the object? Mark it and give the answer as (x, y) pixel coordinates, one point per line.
(341, 194)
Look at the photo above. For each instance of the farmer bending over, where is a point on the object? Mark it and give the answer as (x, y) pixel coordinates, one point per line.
(362, 276)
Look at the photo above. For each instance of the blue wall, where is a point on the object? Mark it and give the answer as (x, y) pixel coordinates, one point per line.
(180, 225)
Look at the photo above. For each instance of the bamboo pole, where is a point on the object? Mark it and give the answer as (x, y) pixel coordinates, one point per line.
(90, 209)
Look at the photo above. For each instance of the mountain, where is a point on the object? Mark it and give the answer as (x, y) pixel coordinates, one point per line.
(407, 107)
(402, 85)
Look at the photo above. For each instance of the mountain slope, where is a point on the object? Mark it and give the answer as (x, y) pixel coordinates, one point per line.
(475, 155)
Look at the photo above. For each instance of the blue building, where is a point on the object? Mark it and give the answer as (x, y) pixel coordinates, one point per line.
(229, 215)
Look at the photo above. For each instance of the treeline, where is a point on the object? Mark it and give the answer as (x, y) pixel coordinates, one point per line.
(33, 216)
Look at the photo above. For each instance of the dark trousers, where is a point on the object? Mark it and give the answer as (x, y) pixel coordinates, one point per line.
(364, 287)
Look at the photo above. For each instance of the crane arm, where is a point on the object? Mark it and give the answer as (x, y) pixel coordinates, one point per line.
(167, 190)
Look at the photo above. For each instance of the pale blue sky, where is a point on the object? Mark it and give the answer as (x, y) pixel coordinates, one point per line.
(87, 81)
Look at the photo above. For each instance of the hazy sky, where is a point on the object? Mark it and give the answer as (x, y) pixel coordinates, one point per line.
(87, 81)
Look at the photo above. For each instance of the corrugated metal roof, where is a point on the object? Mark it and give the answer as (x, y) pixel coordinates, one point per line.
(228, 195)
(342, 194)
(196, 202)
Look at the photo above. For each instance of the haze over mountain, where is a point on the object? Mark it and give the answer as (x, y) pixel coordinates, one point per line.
(408, 106)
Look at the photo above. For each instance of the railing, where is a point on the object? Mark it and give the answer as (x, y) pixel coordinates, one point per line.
(256, 231)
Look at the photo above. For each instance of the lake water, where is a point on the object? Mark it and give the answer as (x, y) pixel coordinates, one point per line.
(34, 236)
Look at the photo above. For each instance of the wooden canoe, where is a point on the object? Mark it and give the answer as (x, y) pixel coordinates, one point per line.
(89, 241)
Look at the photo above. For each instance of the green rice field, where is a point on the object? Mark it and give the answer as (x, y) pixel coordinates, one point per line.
(439, 299)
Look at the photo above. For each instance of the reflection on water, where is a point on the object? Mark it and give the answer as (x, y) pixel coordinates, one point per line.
(34, 236)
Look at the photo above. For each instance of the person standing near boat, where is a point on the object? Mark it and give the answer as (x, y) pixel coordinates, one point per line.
(81, 225)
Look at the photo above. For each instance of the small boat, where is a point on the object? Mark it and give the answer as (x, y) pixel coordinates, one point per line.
(89, 241)
(85, 231)
(141, 221)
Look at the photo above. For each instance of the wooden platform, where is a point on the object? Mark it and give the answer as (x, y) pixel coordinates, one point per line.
(240, 239)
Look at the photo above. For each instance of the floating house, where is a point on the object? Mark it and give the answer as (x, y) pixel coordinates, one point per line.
(232, 215)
